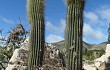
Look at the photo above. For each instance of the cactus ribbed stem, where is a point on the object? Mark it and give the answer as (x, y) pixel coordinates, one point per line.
(35, 10)
(73, 34)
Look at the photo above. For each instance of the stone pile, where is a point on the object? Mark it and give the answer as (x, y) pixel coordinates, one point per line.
(51, 60)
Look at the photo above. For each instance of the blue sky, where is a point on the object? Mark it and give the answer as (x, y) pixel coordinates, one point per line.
(96, 18)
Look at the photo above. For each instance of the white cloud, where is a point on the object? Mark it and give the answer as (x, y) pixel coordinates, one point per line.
(104, 12)
(6, 20)
(91, 16)
(51, 38)
(56, 29)
(96, 32)
(93, 34)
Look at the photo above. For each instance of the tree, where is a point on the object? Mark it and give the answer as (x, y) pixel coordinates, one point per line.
(17, 35)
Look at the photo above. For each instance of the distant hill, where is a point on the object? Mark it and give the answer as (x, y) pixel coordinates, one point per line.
(100, 46)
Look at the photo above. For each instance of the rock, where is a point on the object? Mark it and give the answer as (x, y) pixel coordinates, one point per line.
(89, 67)
(51, 59)
(19, 58)
(107, 53)
(102, 62)
(16, 67)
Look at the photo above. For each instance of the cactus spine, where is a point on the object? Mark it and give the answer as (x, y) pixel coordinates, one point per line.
(35, 10)
(73, 34)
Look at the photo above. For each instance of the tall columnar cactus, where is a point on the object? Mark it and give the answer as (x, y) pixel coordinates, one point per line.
(109, 34)
(35, 10)
(73, 34)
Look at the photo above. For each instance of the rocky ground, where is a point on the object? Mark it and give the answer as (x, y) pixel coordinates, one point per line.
(102, 63)
(51, 59)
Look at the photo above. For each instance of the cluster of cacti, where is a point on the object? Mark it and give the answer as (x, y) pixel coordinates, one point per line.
(73, 34)
(35, 10)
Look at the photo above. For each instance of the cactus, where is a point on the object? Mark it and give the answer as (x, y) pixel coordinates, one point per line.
(73, 34)
(35, 10)
(109, 34)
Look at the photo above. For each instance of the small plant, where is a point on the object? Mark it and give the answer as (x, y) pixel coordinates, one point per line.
(93, 54)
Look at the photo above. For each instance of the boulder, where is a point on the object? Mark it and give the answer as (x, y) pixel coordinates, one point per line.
(103, 62)
(89, 67)
(19, 58)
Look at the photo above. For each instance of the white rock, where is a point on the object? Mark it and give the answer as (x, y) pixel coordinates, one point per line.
(103, 58)
(19, 58)
(97, 64)
(25, 46)
(52, 56)
(15, 66)
(49, 44)
(57, 51)
(107, 53)
(107, 48)
(14, 56)
(89, 67)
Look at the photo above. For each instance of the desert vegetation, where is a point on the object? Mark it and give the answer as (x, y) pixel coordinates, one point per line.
(16, 36)
(40, 55)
